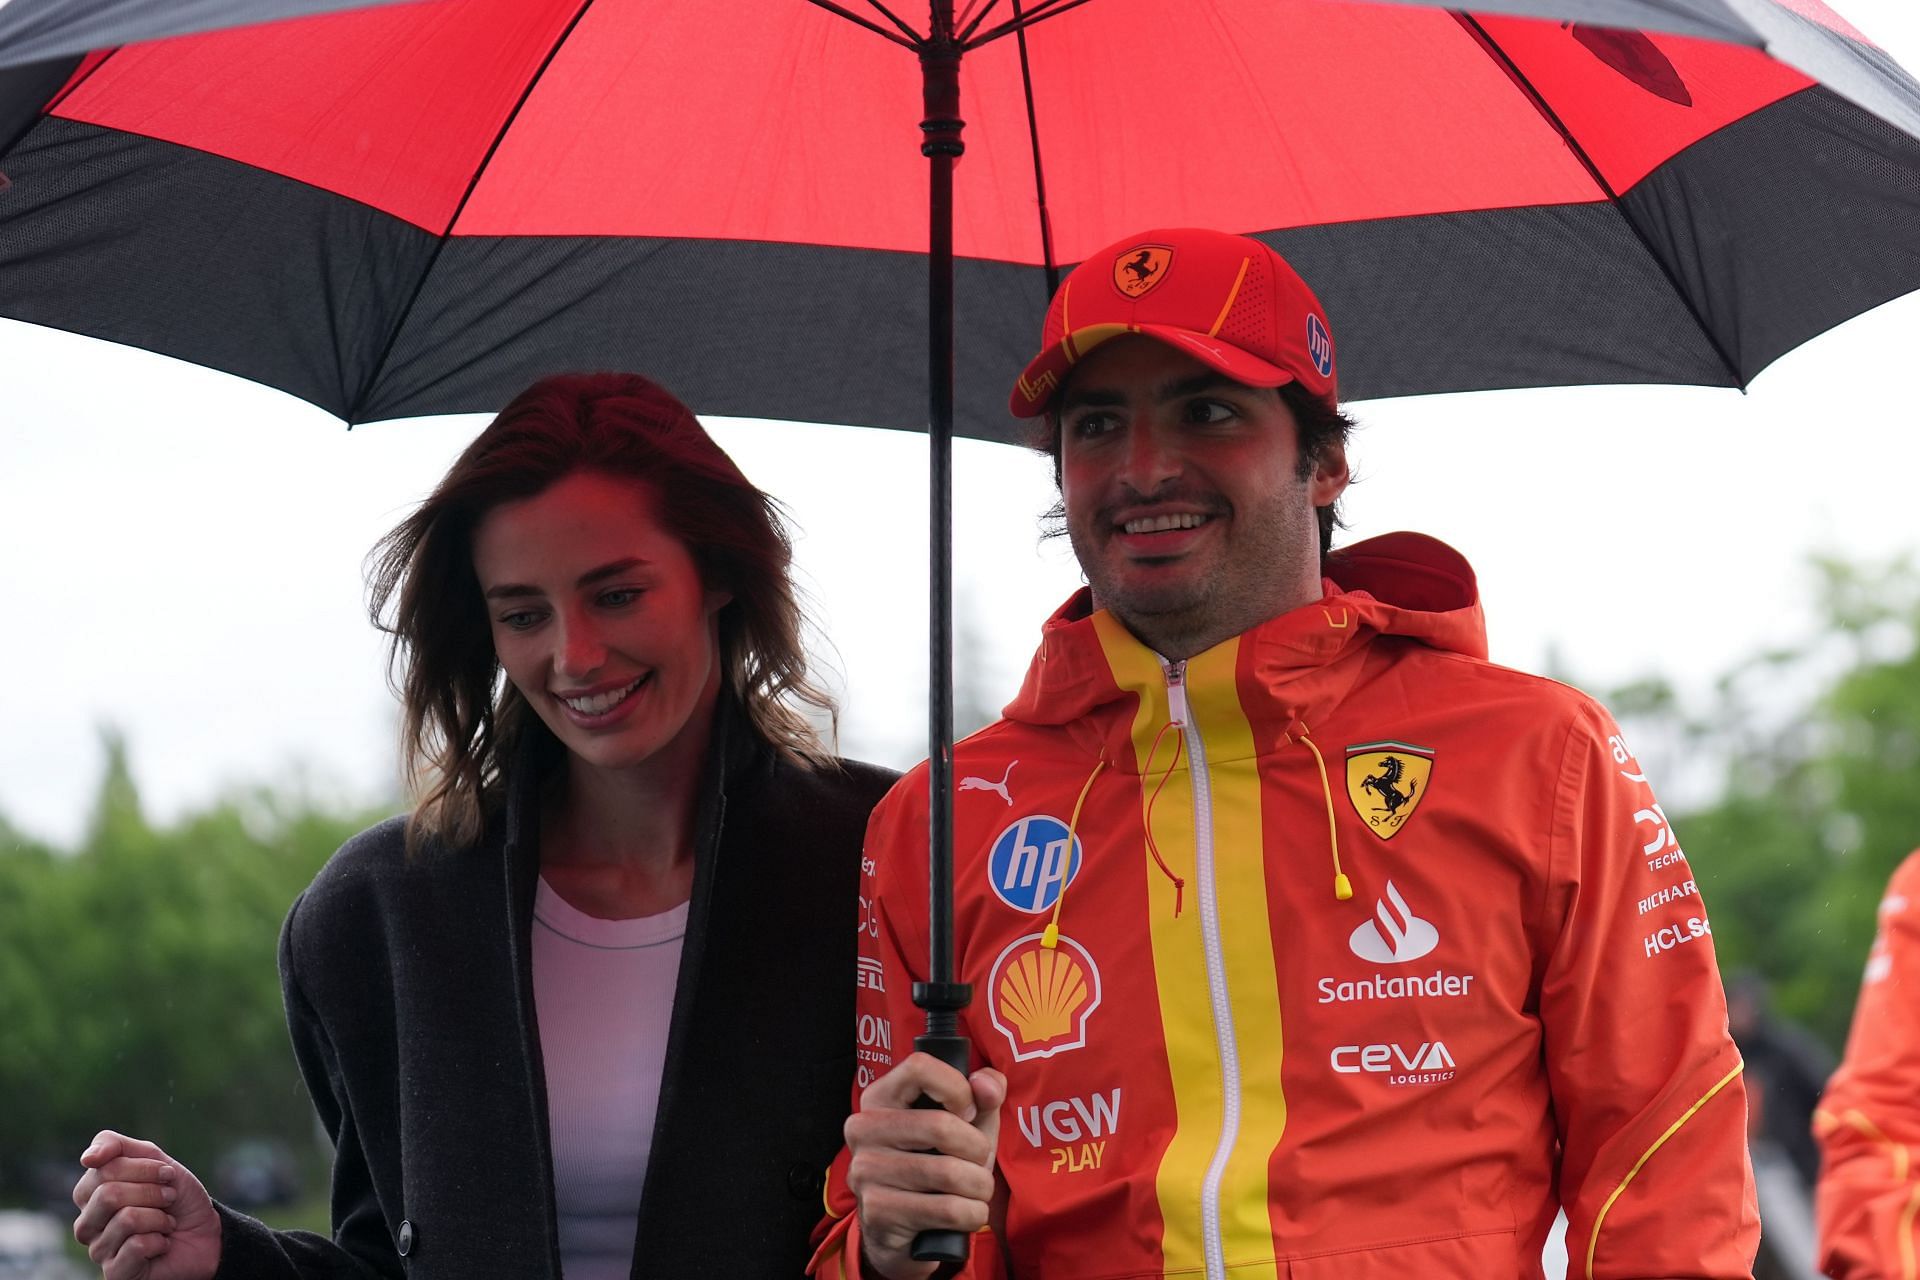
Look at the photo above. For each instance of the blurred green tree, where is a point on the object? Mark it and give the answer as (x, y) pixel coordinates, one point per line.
(138, 986)
(1817, 795)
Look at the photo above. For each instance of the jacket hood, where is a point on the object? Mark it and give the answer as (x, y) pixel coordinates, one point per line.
(1398, 584)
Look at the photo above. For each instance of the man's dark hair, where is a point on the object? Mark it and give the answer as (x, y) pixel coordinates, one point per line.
(1321, 425)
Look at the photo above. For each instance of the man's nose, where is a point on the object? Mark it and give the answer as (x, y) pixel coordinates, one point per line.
(1152, 457)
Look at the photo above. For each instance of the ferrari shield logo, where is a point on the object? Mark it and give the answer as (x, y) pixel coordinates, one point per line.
(1140, 268)
(1386, 781)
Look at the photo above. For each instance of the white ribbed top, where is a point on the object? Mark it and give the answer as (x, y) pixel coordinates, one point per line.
(603, 990)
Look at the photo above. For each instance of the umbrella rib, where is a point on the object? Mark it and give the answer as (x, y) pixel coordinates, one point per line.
(453, 220)
(1038, 14)
(1039, 177)
(970, 21)
(911, 41)
(1552, 117)
(68, 83)
(74, 84)
(890, 16)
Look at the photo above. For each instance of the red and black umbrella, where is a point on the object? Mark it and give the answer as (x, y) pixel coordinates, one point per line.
(420, 208)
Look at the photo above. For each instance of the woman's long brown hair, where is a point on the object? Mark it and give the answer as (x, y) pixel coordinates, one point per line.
(462, 718)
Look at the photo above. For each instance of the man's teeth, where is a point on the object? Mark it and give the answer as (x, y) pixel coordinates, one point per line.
(1160, 524)
(601, 703)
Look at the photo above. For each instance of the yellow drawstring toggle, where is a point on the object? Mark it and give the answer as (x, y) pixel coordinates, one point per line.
(1050, 936)
(1342, 887)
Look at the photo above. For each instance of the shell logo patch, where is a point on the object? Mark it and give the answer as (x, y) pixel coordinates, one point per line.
(1140, 268)
(1386, 782)
(1041, 998)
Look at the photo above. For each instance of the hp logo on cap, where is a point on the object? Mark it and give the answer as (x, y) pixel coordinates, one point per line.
(1319, 345)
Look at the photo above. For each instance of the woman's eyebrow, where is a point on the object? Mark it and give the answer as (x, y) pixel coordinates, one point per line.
(591, 576)
(612, 570)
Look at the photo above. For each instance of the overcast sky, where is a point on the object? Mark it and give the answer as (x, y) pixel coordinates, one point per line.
(181, 551)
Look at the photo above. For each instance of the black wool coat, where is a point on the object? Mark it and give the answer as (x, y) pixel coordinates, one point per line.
(409, 994)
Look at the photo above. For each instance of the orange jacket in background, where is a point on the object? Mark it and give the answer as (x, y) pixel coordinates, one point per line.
(1868, 1122)
(1225, 1068)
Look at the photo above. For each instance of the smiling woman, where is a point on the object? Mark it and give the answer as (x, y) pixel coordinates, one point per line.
(557, 973)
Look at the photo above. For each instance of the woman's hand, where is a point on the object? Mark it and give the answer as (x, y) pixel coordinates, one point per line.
(143, 1216)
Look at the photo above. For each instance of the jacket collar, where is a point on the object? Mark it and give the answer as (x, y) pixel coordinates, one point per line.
(1404, 584)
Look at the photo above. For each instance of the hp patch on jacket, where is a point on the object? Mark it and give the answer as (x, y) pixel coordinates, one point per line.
(1334, 951)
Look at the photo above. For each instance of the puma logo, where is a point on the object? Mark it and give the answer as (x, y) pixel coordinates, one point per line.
(998, 788)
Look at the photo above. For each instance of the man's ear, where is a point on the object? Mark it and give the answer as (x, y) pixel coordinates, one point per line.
(1329, 479)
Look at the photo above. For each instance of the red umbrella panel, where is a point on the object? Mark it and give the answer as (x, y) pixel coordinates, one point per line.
(417, 209)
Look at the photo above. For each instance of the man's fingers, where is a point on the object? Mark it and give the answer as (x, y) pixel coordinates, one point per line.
(920, 1173)
(919, 1131)
(920, 1075)
(124, 1226)
(894, 1218)
(137, 1169)
(130, 1261)
(112, 1198)
(924, 1169)
(108, 1145)
(989, 1091)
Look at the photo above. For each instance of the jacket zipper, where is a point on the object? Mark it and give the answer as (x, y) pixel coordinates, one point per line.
(1224, 1039)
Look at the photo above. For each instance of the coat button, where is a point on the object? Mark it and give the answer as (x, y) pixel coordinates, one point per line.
(806, 1181)
(406, 1238)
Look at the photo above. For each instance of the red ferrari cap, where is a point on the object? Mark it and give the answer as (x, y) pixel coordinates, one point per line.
(1229, 301)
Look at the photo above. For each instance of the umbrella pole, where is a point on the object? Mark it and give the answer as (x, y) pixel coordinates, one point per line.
(941, 995)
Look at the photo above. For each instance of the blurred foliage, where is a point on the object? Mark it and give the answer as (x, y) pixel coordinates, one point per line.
(138, 986)
(1815, 754)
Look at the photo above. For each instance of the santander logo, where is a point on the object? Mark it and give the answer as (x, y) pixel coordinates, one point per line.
(1395, 935)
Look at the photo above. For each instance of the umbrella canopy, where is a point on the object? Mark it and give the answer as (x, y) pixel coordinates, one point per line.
(1804, 35)
(38, 30)
(417, 209)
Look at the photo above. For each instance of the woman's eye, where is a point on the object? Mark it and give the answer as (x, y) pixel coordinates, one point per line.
(620, 597)
(521, 619)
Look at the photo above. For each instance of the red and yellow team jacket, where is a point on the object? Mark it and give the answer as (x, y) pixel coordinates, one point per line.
(1868, 1122)
(1333, 953)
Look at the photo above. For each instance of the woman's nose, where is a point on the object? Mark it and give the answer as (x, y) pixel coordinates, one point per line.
(582, 651)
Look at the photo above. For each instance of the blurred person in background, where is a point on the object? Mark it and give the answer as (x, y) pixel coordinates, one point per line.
(1787, 1067)
(1868, 1123)
(583, 1011)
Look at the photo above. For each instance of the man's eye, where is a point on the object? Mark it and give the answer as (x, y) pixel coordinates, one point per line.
(1209, 411)
(619, 597)
(1088, 425)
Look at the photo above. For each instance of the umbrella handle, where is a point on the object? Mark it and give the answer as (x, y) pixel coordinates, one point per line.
(956, 1052)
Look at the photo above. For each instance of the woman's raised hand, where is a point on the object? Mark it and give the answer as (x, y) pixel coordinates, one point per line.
(143, 1216)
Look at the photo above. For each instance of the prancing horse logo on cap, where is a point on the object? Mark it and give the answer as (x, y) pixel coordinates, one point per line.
(1140, 268)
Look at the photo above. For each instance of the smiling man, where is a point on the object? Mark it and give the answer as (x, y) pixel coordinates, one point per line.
(1305, 941)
